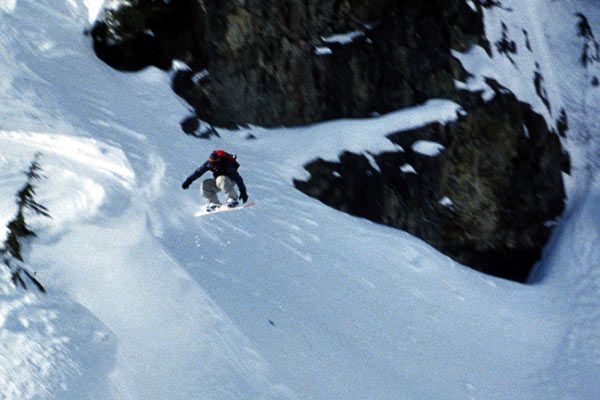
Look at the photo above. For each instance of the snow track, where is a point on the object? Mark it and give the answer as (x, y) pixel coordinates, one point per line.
(100, 248)
(286, 300)
(569, 271)
(571, 266)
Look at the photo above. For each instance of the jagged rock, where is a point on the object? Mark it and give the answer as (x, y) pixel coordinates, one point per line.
(486, 201)
(142, 33)
(190, 125)
(264, 63)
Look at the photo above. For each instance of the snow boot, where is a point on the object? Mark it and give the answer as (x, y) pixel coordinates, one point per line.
(212, 206)
(232, 203)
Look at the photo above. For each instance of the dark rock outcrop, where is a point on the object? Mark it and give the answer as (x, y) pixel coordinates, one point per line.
(265, 61)
(142, 33)
(285, 63)
(500, 171)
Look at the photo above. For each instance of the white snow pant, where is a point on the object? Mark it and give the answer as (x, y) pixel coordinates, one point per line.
(210, 188)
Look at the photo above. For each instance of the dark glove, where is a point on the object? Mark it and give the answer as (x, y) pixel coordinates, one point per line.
(185, 185)
(244, 197)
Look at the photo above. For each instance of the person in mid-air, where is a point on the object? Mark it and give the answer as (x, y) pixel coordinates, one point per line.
(224, 167)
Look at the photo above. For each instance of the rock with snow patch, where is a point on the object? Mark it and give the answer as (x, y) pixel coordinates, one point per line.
(503, 186)
(297, 62)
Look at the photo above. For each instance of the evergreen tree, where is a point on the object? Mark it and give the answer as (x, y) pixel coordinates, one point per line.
(18, 231)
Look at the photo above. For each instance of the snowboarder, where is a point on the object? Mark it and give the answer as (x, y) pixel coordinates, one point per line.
(224, 167)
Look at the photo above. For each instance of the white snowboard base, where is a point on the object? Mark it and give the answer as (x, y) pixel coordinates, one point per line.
(223, 208)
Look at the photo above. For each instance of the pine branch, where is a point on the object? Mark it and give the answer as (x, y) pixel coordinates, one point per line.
(37, 208)
(17, 280)
(34, 280)
(18, 229)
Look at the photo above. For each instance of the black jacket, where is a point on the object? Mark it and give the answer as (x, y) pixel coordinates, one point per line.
(221, 167)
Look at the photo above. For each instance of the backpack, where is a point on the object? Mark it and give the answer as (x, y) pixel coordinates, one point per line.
(226, 156)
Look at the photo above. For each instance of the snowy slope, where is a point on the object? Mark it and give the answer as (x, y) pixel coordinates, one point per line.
(288, 299)
(568, 273)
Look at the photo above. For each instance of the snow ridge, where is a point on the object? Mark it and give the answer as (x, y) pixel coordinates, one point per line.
(288, 299)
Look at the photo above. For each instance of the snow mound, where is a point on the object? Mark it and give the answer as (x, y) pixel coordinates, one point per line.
(51, 348)
(80, 173)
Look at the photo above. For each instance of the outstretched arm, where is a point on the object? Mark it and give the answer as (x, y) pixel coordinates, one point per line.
(197, 174)
(237, 178)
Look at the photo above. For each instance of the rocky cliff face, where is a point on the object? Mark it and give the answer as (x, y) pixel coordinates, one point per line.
(296, 62)
(488, 200)
(141, 33)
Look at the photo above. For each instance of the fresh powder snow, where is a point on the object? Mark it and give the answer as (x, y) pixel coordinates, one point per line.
(408, 169)
(288, 299)
(323, 51)
(446, 202)
(427, 148)
(343, 38)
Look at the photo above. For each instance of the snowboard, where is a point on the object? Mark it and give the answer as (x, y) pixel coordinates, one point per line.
(223, 208)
